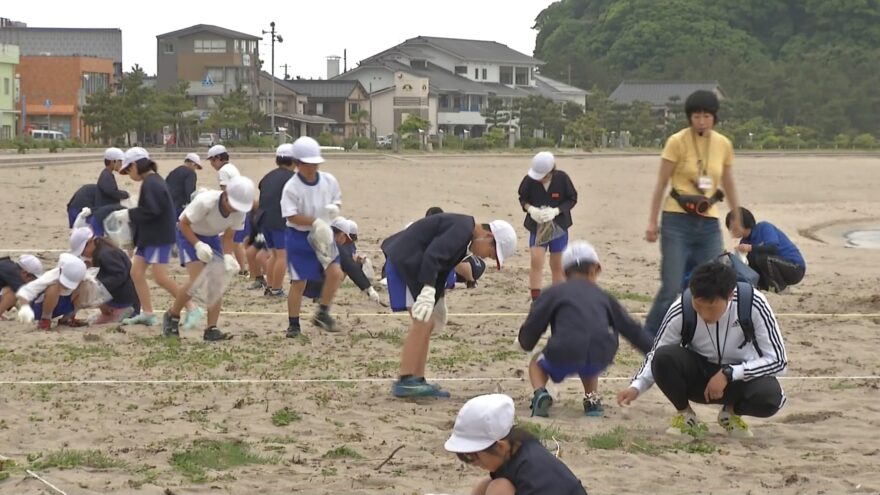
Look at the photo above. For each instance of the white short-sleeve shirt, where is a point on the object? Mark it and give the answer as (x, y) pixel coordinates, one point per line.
(227, 173)
(206, 218)
(302, 198)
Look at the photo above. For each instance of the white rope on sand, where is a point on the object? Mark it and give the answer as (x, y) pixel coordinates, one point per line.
(50, 485)
(402, 314)
(265, 381)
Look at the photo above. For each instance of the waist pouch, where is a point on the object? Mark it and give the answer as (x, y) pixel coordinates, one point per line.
(697, 204)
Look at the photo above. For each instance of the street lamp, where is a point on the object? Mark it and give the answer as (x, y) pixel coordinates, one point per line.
(279, 39)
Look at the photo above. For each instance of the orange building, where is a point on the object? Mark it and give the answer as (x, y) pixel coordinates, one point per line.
(54, 89)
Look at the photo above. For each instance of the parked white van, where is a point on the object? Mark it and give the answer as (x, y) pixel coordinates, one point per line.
(43, 134)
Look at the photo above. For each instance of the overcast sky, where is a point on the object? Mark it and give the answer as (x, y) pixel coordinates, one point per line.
(311, 29)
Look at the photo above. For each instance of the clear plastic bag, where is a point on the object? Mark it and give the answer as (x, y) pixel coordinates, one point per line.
(369, 271)
(211, 284)
(118, 232)
(325, 253)
(548, 231)
(91, 293)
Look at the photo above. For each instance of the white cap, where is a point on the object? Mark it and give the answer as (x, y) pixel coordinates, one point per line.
(341, 224)
(73, 270)
(31, 264)
(505, 240)
(307, 150)
(542, 164)
(481, 422)
(241, 193)
(132, 155)
(114, 154)
(579, 252)
(352, 227)
(217, 149)
(78, 240)
(284, 151)
(194, 157)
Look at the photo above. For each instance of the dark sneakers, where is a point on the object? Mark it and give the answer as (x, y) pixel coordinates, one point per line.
(541, 402)
(293, 331)
(213, 334)
(325, 321)
(170, 325)
(593, 405)
(417, 387)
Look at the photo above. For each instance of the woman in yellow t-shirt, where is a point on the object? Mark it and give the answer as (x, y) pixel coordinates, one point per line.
(697, 161)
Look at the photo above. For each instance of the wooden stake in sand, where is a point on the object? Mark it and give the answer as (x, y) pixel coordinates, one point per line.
(389, 458)
(50, 485)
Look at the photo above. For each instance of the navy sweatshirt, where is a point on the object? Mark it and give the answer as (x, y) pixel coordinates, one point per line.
(153, 221)
(10, 274)
(181, 184)
(429, 249)
(561, 194)
(584, 325)
(84, 197)
(108, 193)
(533, 470)
(115, 272)
(271, 189)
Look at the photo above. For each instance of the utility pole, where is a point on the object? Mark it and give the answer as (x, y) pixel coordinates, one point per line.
(275, 37)
(286, 75)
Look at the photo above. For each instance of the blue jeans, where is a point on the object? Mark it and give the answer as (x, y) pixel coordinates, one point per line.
(685, 242)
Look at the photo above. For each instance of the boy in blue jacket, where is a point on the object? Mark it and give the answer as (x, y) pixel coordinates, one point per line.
(584, 324)
(770, 253)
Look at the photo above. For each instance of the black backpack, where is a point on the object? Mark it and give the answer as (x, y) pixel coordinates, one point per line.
(745, 292)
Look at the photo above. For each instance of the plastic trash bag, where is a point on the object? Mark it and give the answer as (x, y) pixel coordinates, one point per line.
(209, 287)
(548, 231)
(82, 218)
(130, 202)
(368, 269)
(119, 232)
(325, 253)
(91, 292)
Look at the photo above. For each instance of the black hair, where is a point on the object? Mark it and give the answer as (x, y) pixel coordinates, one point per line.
(284, 161)
(144, 165)
(747, 219)
(222, 156)
(102, 243)
(433, 211)
(108, 162)
(583, 268)
(712, 280)
(702, 101)
(516, 438)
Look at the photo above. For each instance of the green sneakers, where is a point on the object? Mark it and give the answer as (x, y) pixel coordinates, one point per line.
(686, 424)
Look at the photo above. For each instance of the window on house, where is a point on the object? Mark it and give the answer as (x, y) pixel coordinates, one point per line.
(353, 108)
(506, 75)
(457, 103)
(419, 64)
(319, 108)
(215, 74)
(6, 132)
(6, 85)
(461, 70)
(237, 46)
(168, 47)
(485, 72)
(209, 46)
(444, 101)
(522, 76)
(476, 73)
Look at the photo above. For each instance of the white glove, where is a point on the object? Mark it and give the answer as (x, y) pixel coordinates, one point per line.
(322, 234)
(535, 213)
(548, 214)
(260, 239)
(440, 314)
(86, 212)
(204, 252)
(25, 314)
(373, 295)
(80, 220)
(424, 304)
(331, 211)
(121, 216)
(232, 266)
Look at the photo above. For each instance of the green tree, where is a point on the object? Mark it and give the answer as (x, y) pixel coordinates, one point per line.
(140, 112)
(413, 124)
(496, 113)
(175, 110)
(537, 113)
(233, 113)
(105, 113)
(359, 117)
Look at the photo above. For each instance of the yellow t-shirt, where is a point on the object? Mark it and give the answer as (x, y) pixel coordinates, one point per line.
(681, 150)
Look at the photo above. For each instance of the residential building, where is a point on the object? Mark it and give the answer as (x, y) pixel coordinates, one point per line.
(461, 76)
(66, 42)
(214, 60)
(290, 106)
(660, 93)
(54, 89)
(339, 99)
(9, 91)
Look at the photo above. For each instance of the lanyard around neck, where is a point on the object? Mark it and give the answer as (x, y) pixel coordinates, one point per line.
(702, 164)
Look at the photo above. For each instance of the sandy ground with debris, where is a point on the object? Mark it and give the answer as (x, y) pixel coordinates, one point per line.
(824, 441)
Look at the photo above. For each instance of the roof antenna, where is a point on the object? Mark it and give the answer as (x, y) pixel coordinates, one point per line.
(344, 60)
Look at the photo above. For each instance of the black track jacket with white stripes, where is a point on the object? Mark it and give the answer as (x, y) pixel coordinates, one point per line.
(724, 342)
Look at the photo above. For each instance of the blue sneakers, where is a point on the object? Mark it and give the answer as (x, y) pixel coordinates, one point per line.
(541, 402)
(417, 387)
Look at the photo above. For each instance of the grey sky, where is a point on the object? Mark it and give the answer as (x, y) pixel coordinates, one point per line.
(312, 29)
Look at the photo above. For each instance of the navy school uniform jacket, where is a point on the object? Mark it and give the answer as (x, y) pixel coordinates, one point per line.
(533, 470)
(584, 323)
(425, 252)
(115, 273)
(108, 192)
(84, 197)
(271, 190)
(154, 220)
(561, 194)
(10, 274)
(181, 184)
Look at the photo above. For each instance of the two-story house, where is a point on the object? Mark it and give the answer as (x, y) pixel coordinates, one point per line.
(339, 99)
(214, 60)
(290, 107)
(9, 58)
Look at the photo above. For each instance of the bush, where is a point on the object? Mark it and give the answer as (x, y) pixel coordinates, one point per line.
(496, 138)
(363, 143)
(476, 144)
(451, 142)
(864, 141)
(770, 142)
(411, 143)
(326, 139)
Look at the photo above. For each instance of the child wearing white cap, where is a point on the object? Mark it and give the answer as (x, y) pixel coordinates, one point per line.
(584, 322)
(351, 267)
(218, 157)
(114, 273)
(547, 195)
(153, 224)
(273, 224)
(309, 201)
(108, 193)
(419, 260)
(14, 274)
(209, 215)
(484, 436)
(182, 182)
(53, 294)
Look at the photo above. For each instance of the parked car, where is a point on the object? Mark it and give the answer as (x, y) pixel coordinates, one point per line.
(207, 139)
(44, 134)
(383, 142)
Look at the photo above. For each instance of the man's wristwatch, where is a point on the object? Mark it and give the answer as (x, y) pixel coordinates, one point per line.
(727, 370)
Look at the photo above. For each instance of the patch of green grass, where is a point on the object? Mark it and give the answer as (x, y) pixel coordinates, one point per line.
(199, 356)
(610, 440)
(11, 357)
(695, 446)
(196, 415)
(71, 459)
(284, 417)
(145, 475)
(328, 471)
(507, 354)
(630, 296)
(393, 337)
(543, 432)
(378, 368)
(843, 385)
(282, 439)
(72, 353)
(343, 451)
(321, 398)
(643, 446)
(215, 455)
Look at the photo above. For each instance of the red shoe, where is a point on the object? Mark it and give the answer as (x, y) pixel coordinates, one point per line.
(44, 324)
(73, 323)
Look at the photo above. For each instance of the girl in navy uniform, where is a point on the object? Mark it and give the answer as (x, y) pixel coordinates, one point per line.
(13, 275)
(546, 195)
(114, 273)
(108, 193)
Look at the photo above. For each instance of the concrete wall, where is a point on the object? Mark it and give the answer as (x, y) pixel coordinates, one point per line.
(383, 113)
